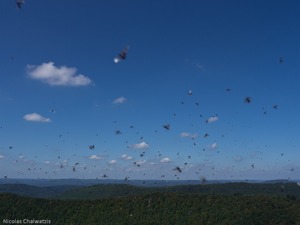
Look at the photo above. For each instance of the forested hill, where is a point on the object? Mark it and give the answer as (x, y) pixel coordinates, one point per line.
(291, 190)
(33, 191)
(156, 209)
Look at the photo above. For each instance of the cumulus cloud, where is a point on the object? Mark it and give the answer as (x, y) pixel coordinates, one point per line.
(35, 117)
(2, 156)
(57, 76)
(165, 160)
(212, 119)
(141, 145)
(113, 161)
(185, 134)
(126, 157)
(96, 157)
(120, 100)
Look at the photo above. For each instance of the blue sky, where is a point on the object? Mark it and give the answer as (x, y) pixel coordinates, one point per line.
(61, 92)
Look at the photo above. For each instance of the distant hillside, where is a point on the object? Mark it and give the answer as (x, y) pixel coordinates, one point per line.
(146, 183)
(105, 191)
(157, 209)
(120, 190)
(277, 181)
(89, 182)
(33, 191)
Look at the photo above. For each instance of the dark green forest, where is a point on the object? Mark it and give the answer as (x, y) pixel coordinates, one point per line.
(290, 190)
(215, 204)
(157, 208)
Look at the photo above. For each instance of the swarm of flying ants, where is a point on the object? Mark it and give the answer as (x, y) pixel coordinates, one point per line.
(122, 55)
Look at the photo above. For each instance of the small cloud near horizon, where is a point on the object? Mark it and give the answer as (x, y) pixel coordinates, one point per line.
(113, 161)
(185, 134)
(126, 157)
(165, 160)
(141, 145)
(96, 157)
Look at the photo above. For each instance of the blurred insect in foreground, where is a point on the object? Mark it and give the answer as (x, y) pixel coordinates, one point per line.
(118, 132)
(281, 60)
(247, 100)
(19, 3)
(167, 126)
(122, 55)
(178, 169)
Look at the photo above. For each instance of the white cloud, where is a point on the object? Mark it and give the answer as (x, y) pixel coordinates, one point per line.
(126, 157)
(164, 160)
(184, 134)
(57, 76)
(120, 100)
(140, 162)
(113, 161)
(141, 145)
(35, 117)
(96, 157)
(212, 119)
(47, 162)
(2, 156)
